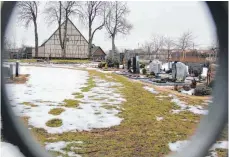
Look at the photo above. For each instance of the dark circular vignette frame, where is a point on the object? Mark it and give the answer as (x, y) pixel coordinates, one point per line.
(210, 125)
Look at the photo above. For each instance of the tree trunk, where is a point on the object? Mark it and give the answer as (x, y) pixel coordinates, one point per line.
(65, 36)
(60, 34)
(168, 55)
(36, 39)
(113, 46)
(90, 41)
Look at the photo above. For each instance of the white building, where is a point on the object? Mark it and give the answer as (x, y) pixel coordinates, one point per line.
(76, 44)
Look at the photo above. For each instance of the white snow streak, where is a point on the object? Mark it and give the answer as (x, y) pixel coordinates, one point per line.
(194, 109)
(150, 89)
(60, 145)
(179, 145)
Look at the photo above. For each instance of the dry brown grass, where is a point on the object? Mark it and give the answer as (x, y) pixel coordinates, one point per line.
(21, 79)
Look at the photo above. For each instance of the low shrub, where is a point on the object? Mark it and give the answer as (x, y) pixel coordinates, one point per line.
(152, 73)
(193, 84)
(101, 65)
(202, 90)
(142, 66)
(106, 66)
(144, 71)
(116, 64)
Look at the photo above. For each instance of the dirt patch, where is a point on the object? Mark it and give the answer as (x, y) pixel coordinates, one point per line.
(21, 79)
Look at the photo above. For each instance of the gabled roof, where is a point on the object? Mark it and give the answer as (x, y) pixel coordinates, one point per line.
(96, 48)
(57, 29)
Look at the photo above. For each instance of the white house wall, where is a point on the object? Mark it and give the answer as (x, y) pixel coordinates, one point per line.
(76, 47)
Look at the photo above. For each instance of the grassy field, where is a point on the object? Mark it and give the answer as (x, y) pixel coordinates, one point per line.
(139, 134)
(23, 60)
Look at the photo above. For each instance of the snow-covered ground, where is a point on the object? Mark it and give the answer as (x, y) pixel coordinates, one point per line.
(179, 145)
(48, 87)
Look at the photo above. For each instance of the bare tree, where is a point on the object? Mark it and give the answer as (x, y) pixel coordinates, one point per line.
(116, 22)
(54, 13)
(168, 44)
(214, 49)
(157, 43)
(93, 10)
(146, 47)
(27, 13)
(185, 41)
(59, 12)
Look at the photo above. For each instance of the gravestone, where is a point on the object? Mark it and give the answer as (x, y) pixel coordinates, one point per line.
(179, 71)
(129, 64)
(155, 66)
(187, 69)
(204, 72)
(134, 65)
(17, 68)
(137, 65)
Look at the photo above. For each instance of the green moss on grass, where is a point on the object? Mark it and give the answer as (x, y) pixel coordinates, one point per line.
(71, 103)
(78, 95)
(90, 85)
(56, 111)
(54, 122)
(110, 107)
(29, 104)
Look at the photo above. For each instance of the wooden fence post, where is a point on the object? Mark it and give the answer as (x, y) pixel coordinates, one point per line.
(11, 71)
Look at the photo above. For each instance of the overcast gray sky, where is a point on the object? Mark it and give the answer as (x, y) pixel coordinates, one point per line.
(148, 17)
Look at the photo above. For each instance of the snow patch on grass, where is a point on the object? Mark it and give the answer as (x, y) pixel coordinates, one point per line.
(150, 89)
(59, 146)
(179, 145)
(184, 107)
(159, 118)
(190, 92)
